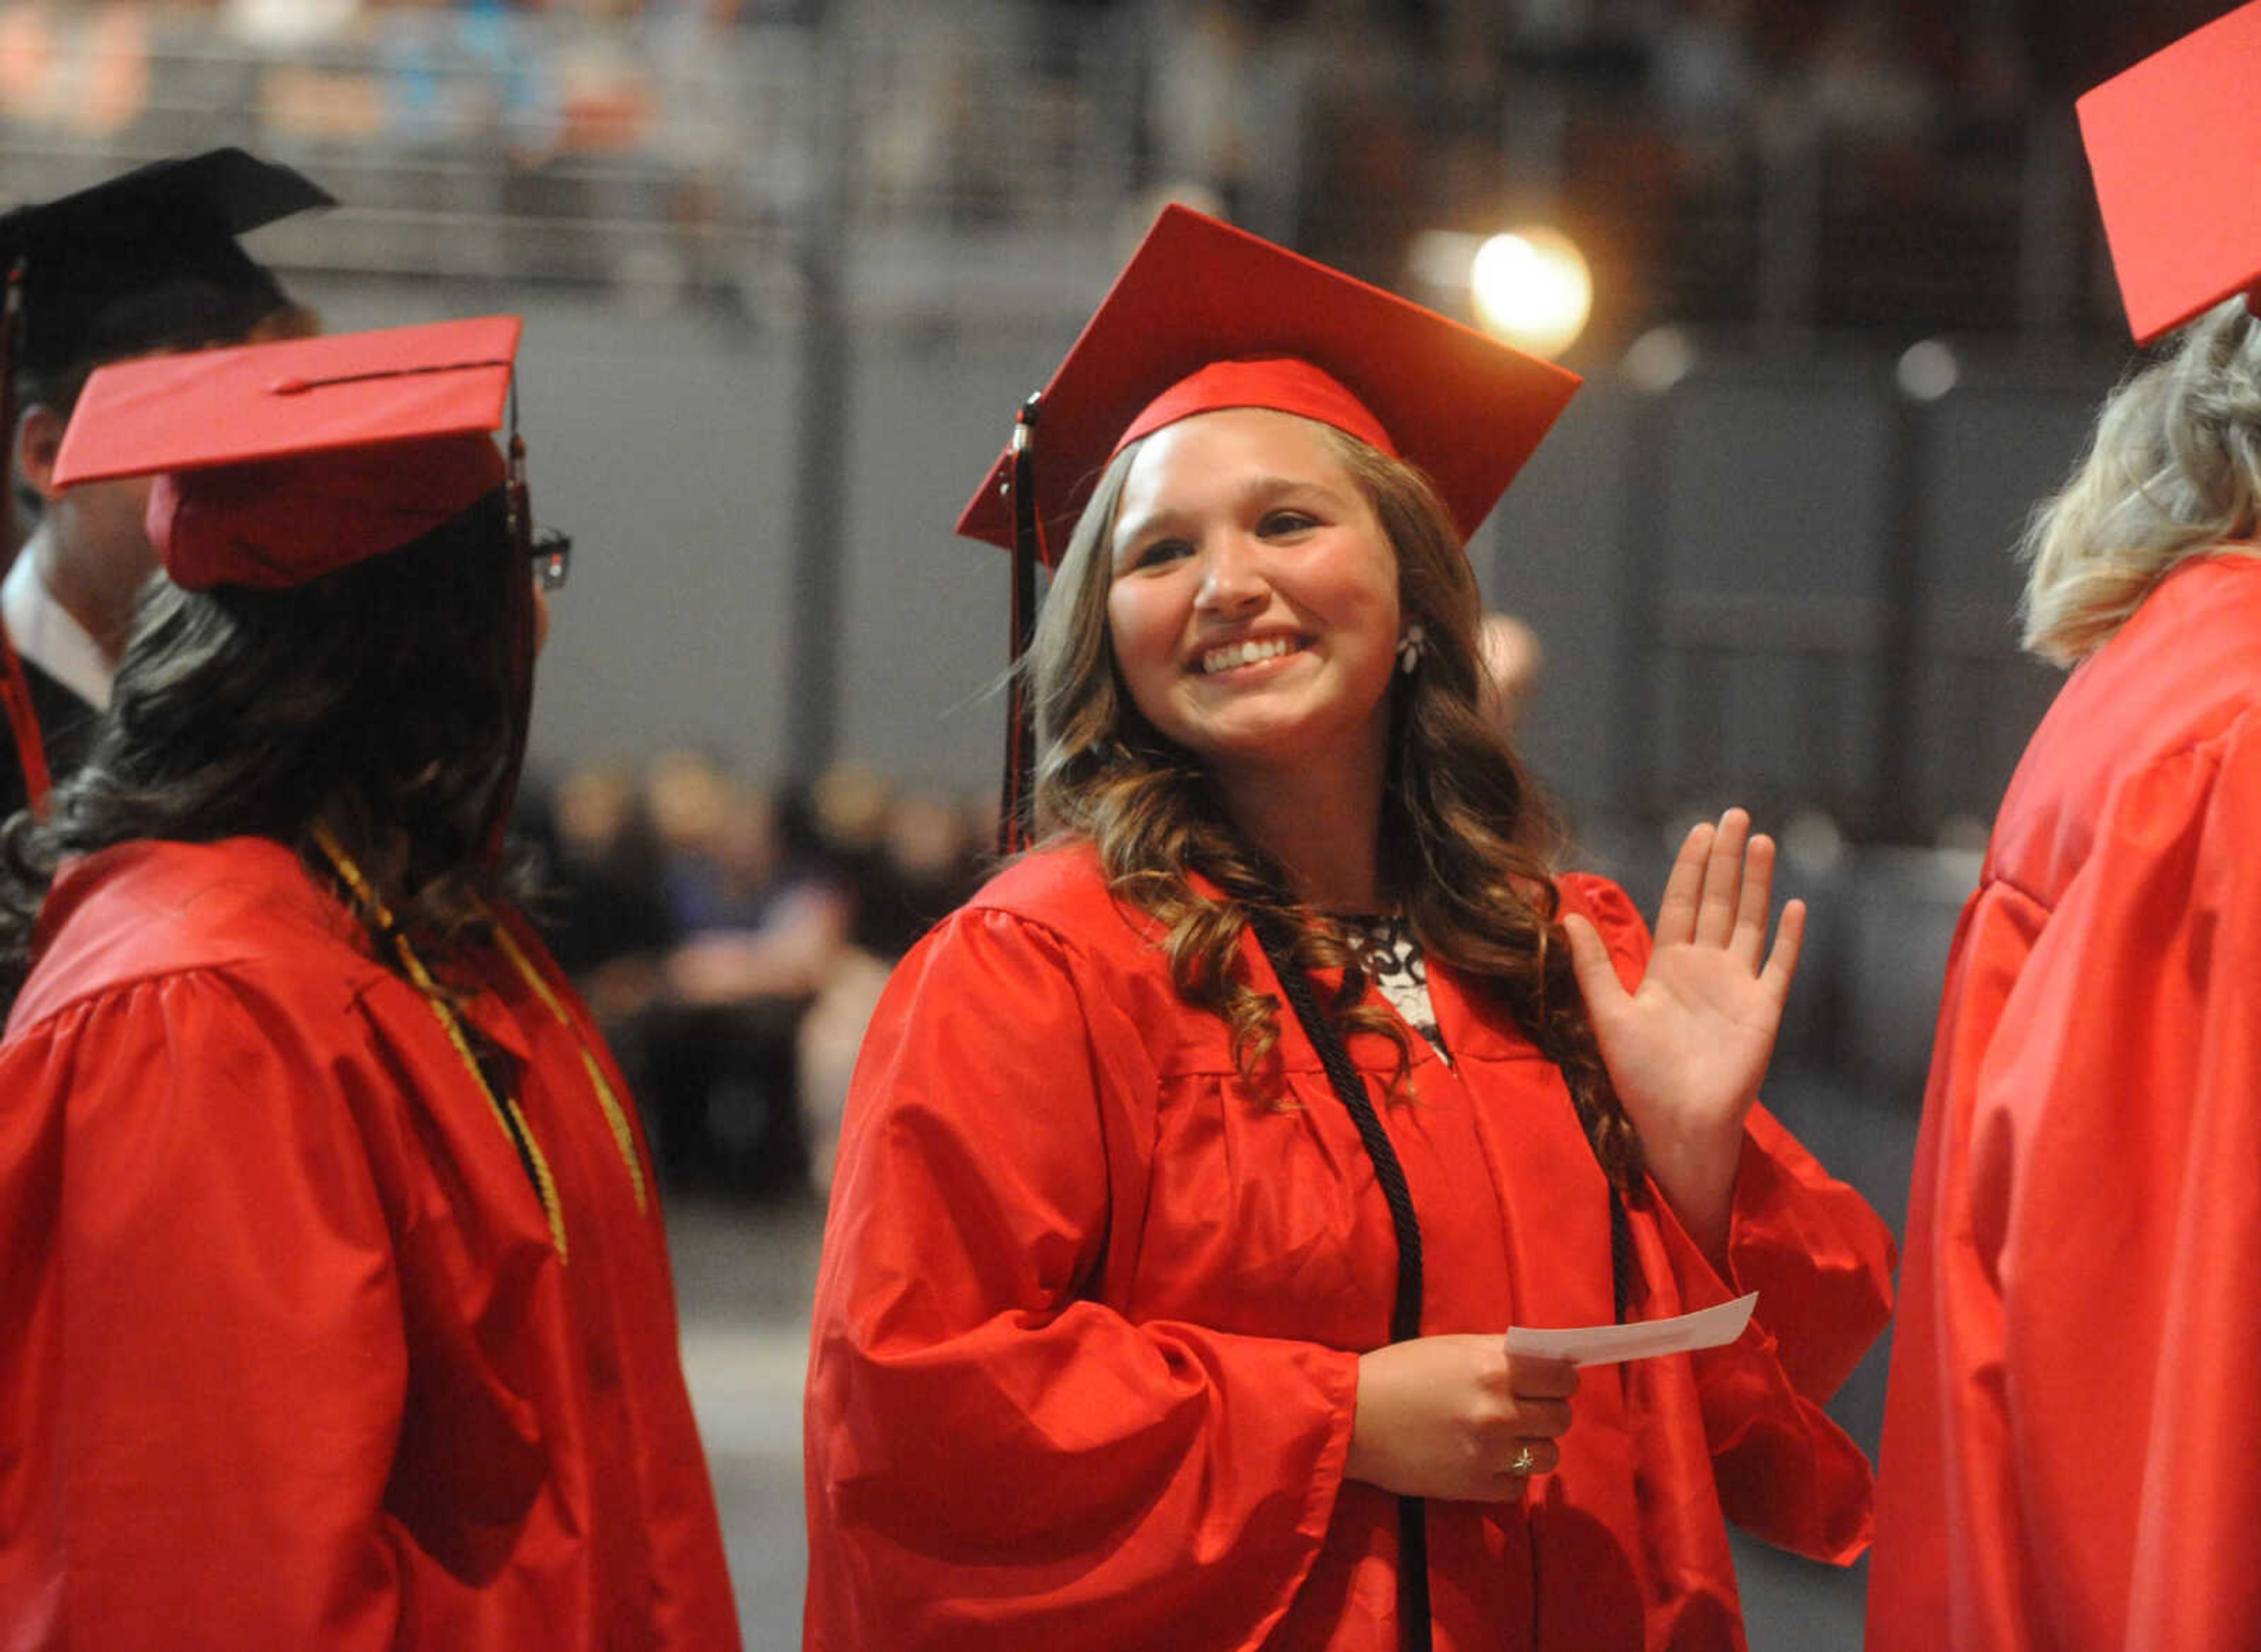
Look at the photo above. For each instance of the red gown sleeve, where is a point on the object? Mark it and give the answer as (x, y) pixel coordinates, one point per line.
(1821, 1261)
(994, 1457)
(2072, 1441)
(204, 1368)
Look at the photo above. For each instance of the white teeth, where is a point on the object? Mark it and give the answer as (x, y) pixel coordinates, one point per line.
(1223, 659)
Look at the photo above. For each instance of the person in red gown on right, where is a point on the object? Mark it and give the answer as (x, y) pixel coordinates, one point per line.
(2072, 1455)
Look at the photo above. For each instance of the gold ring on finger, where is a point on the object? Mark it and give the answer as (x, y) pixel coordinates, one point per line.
(1524, 1460)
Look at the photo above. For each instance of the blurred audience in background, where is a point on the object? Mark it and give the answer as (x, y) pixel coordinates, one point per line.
(732, 940)
(1341, 126)
(732, 936)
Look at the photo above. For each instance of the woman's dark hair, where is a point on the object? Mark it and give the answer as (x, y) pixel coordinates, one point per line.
(385, 700)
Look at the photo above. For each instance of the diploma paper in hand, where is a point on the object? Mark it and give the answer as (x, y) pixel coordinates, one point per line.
(1643, 1339)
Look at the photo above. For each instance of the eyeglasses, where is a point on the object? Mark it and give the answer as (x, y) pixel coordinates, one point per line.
(552, 558)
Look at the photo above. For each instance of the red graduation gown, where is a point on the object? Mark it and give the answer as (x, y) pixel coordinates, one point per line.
(287, 1356)
(2072, 1450)
(1087, 1332)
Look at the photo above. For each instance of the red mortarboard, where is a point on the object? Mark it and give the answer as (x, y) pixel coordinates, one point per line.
(279, 463)
(1466, 408)
(2175, 147)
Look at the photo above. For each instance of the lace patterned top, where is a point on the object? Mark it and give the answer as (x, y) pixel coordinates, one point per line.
(1393, 961)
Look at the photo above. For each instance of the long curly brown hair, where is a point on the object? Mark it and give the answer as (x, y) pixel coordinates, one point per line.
(1466, 841)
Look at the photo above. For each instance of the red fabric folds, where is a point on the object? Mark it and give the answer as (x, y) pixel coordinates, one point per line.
(290, 1358)
(1085, 1354)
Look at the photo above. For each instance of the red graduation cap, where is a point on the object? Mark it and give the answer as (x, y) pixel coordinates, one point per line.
(2175, 147)
(1464, 407)
(1205, 317)
(280, 462)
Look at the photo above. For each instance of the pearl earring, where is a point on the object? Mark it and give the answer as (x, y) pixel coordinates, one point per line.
(1410, 647)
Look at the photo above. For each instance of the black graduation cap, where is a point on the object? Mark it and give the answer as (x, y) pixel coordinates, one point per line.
(143, 261)
(148, 260)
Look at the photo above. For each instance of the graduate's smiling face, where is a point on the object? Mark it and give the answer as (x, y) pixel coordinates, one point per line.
(1252, 595)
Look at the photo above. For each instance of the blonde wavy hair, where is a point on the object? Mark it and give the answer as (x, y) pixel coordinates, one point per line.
(1466, 841)
(2172, 470)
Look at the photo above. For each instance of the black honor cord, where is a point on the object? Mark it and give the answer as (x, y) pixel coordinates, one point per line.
(1414, 1631)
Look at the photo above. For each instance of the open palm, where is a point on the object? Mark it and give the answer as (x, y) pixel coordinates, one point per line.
(1687, 1048)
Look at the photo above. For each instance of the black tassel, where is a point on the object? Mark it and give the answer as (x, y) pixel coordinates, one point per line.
(1016, 813)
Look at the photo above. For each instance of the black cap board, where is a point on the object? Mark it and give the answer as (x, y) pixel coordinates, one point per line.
(148, 260)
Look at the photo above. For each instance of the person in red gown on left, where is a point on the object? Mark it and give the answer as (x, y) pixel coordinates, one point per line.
(335, 1300)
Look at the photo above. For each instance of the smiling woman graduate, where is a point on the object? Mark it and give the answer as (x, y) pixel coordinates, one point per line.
(1192, 1171)
(334, 1303)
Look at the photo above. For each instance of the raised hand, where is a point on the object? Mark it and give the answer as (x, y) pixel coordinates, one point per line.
(1687, 1048)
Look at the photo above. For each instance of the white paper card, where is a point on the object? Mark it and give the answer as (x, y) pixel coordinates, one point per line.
(1643, 1339)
